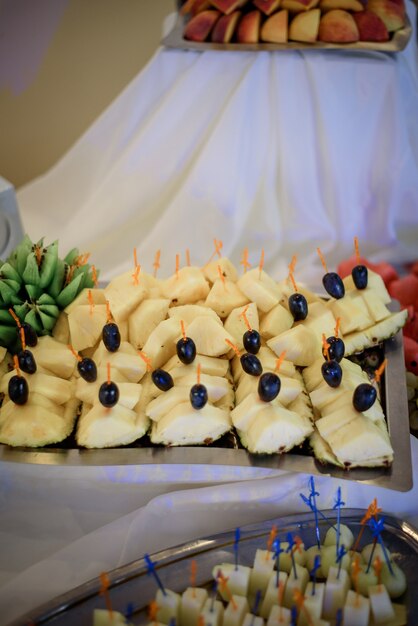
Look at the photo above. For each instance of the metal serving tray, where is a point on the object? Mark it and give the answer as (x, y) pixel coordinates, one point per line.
(398, 42)
(131, 584)
(227, 452)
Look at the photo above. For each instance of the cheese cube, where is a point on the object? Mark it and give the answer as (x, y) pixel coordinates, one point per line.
(191, 605)
(356, 610)
(236, 611)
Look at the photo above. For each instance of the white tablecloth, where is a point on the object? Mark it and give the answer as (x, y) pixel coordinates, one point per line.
(285, 150)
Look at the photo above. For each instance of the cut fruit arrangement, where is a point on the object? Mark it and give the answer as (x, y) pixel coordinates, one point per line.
(186, 359)
(345, 580)
(280, 21)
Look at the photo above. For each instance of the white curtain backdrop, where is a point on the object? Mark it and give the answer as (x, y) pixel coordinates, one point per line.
(285, 151)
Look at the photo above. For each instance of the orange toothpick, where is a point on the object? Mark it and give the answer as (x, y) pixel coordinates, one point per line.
(198, 373)
(377, 566)
(22, 337)
(152, 611)
(94, 275)
(270, 540)
(280, 594)
(177, 265)
(280, 360)
(378, 373)
(244, 316)
(221, 276)
(326, 346)
(188, 257)
(299, 599)
(156, 264)
(200, 621)
(218, 248)
(81, 259)
(104, 591)
(135, 275)
(38, 254)
(193, 572)
(292, 266)
(183, 330)
(77, 356)
(15, 317)
(356, 569)
(91, 301)
(321, 256)
(357, 250)
(146, 360)
(372, 511)
(16, 365)
(233, 346)
(135, 259)
(298, 544)
(261, 264)
(108, 313)
(108, 373)
(187, 7)
(223, 583)
(337, 326)
(244, 261)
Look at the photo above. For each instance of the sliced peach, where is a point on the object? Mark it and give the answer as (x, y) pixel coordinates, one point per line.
(346, 5)
(304, 26)
(199, 27)
(370, 26)
(227, 6)
(267, 6)
(338, 26)
(249, 27)
(295, 6)
(225, 27)
(274, 29)
(391, 13)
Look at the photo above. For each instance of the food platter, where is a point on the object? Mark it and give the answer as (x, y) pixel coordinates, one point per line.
(131, 584)
(398, 42)
(227, 451)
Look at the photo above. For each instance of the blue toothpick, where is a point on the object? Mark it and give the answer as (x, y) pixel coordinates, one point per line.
(151, 570)
(339, 618)
(310, 505)
(312, 499)
(130, 609)
(340, 555)
(338, 504)
(215, 591)
(377, 527)
(277, 552)
(316, 566)
(291, 542)
(294, 616)
(256, 605)
(236, 542)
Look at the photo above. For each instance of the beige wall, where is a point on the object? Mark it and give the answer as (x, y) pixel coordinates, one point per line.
(97, 47)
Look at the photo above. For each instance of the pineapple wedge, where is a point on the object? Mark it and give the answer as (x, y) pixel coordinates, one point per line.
(86, 325)
(161, 344)
(211, 365)
(375, 286)
(188, 312)
(124, 295)
(359, 341)
(352, 311)
(56, 389)
(54, 357)
(235, 323)
(101, 427)
(211, 271)
(260, 288)
(145, 318)
(184, 425)
(275, 322)
(301, 345)
(125, 360)
(209, 336)
(361, 441)
(187, 286)
(224, 297)
(165, 402)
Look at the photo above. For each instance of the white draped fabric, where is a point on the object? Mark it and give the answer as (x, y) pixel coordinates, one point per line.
(283, 151)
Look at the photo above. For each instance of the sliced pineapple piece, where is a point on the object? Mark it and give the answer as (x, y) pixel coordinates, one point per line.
(224, 297)
(375, 286)
(360, 441)
(124, 295)
(61, 330)
(102, 427)
(161, 344)
(352, 311)
(322, 451)
(188, 312)
(320, 320)
(275, 322)
(235, 323)
(86, 324)
(187, 286)
(54, 357)
(125, 360)
(56, 389)
(214, 366)
(216, 386)
(377, 310)
(98, 297)
(184, 425)
(162, 404)
(300, 343)
(260, 288)
(208, 336)
(145, 318)
(275, 429)
(359, 341)
(228, 269)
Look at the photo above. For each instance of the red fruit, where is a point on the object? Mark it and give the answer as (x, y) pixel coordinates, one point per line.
(411, 327)
(386, 271)
(414, 268)
(370, 26)
(411, 354)
(405, 290)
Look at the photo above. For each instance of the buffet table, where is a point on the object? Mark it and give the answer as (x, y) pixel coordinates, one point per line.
(259, 151)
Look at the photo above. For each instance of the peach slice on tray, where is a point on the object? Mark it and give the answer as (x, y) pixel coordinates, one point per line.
(195, 6)
(370, 26)
(225, 27)
(338, 26)
(199, 27)
(346, 5)
(304, 26)
(296, 6)
(391, 13)
(267, 6)
(274, 29)
(249, 27)
(227, 6)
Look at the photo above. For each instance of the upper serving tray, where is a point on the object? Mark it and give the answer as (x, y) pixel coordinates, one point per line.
(398, 42)
(228, 453)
